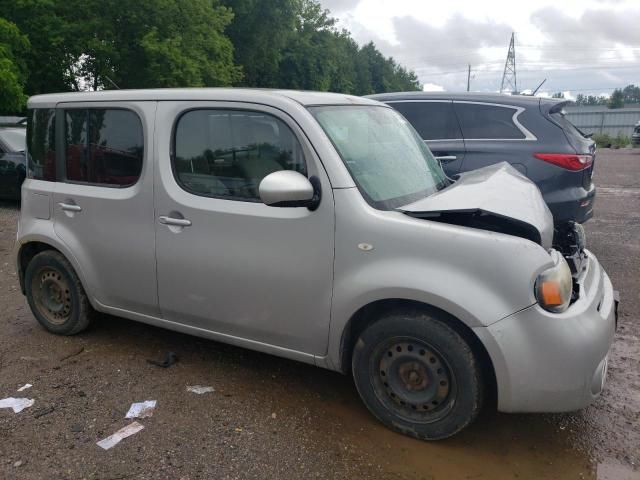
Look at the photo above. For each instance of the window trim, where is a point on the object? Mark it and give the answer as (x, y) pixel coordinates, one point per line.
(172, 150)
(528, 136)
(61, 158)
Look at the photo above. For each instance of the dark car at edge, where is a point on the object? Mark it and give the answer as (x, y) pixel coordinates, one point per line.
(12, 157)
(467, 131)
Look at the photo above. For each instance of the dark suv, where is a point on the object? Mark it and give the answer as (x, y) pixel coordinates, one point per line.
(635, 136)
(471, 130)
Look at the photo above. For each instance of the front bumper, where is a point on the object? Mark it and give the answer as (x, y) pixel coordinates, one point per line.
(546, 362)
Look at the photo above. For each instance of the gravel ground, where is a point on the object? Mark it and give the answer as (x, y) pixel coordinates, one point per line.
(274, 418)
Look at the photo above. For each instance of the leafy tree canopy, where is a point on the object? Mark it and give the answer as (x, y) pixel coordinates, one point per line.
(13, 70)
(103, 44)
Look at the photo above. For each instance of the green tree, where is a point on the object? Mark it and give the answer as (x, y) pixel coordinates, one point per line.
(13, 70)
(153, 43)
(141, 44)
(616, 100)
(631, 94)
(47, 61)
(259, 32)
(558, 95)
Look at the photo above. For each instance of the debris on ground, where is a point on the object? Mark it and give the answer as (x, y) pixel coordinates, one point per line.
(141, 409)
(116, 438)
(169, 359)
(199, 389)
(42, 412)
(73, 353)
(17, 404)
(24, 387)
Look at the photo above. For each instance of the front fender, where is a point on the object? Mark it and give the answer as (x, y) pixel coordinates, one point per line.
(477, 276)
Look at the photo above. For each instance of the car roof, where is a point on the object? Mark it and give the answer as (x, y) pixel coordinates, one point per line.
(499, 98)
(306, 98)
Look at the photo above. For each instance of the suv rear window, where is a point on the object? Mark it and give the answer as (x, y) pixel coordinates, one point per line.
(480, 122)
(432, 120)
(41, 144)
(103, 146)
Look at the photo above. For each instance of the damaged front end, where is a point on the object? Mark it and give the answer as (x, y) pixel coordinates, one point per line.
(495, 198)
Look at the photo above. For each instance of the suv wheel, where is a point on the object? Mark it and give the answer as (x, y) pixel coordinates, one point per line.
(55, 294)
(417, 375)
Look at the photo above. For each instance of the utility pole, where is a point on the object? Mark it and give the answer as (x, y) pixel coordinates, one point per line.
(509, 76)
(468, 77)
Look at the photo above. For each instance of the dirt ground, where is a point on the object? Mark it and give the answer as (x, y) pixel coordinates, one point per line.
(274, 418)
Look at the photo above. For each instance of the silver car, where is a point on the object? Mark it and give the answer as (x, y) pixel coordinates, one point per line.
(317, 227)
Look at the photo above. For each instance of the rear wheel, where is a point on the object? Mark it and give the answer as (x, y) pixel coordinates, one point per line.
(417, 375)
(55, 294)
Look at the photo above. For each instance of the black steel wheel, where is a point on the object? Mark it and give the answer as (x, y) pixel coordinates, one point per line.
(418, 375)
(55, 294)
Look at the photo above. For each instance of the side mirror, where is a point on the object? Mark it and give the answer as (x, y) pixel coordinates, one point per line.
(287, 188)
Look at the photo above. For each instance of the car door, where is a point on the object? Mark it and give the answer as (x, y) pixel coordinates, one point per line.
(226, 262)
(103, 200)
(493, 134)
(438, 126)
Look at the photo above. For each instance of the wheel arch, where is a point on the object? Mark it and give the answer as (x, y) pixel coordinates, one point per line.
(371, 312)
(29, 248)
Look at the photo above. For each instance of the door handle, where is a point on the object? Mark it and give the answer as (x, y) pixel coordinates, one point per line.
(446, 158)
(178, 222)
(70, 207)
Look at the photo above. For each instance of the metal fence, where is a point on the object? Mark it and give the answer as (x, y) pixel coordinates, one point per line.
(604, 120)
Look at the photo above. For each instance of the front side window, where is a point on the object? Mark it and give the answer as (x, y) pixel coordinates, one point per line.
(432, 120)
(227, 153)
(480, 121)
(41, 144)
(103, 146)
(387, 159)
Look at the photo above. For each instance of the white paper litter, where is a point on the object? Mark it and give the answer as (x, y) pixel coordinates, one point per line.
(199, 389)
(141, 409)
(113, 440)
(18, 404)
(24, 387)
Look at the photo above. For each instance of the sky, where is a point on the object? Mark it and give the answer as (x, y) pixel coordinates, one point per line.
(579, 46)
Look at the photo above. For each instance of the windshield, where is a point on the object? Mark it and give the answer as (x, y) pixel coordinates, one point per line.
(388, 161)
(14, 138)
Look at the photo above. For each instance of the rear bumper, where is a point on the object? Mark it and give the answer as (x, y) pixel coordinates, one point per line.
(547, 362)
(571, 204)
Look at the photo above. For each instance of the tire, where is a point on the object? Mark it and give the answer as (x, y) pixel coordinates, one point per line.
(55, 294)
(417, 375)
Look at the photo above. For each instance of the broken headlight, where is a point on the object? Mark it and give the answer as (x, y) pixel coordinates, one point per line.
(554, 285)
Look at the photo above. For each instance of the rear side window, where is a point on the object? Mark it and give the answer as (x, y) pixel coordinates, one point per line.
(103, 146)
(432, 120)
(227, 153)
(41, 144)
(479, 121)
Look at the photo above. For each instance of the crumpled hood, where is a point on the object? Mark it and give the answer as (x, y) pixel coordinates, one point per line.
(496, 198)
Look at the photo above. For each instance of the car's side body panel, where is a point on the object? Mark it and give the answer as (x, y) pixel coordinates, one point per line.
(243, 268)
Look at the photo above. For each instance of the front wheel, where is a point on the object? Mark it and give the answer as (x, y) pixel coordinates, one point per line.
(417, 375)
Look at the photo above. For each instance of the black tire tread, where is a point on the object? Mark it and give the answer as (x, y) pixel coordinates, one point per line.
(420, 322)
(83, 313)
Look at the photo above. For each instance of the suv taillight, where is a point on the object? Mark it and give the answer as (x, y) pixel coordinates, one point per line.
(569, 161)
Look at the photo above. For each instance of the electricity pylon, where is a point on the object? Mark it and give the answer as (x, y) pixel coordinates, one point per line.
(509, 76)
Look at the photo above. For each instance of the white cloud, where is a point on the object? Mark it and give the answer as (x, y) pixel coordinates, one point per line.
(580, 46)
(432, 87)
